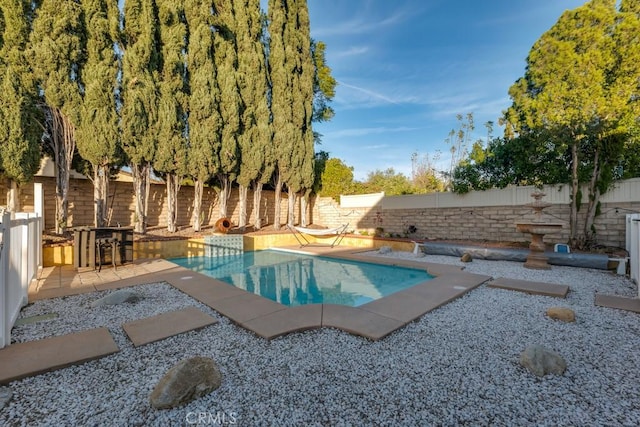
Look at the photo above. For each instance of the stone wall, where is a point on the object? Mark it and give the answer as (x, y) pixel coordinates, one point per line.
(487, 215)
(122, 204)
(491, 223)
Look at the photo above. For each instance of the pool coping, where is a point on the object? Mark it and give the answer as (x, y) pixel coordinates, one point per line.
(373, 320)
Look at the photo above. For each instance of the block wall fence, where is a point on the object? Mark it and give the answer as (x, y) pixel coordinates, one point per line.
(484, 215)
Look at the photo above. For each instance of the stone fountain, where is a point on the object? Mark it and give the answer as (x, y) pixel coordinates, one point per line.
(538, 227)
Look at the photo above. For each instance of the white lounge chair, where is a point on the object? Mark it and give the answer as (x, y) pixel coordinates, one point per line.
(299, 232)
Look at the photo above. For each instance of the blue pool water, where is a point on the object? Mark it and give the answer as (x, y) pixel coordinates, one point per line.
(295, 279)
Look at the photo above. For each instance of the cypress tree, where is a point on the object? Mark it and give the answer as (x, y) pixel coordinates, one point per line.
(292, 76)
(171, 153)
(21, 130)
(139, 111)
(254, 138)
(204, 121)
(225, 58)
(98, 135)
(281, 96)
(57, 46)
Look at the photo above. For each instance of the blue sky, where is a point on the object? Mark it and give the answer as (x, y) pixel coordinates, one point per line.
(405, 68)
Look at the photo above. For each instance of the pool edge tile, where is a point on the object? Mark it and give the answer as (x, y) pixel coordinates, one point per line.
(360, 322)
(291, 319)
(245, 307)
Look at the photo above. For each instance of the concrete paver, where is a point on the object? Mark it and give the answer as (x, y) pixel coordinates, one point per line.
(155, 328)
(619, 302)
(535, 288)
(36, 357)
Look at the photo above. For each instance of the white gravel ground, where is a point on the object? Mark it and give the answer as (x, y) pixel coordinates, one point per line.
(458, 365)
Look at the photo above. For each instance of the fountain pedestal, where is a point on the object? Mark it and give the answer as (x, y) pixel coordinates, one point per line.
(536, 258)
(537, 229)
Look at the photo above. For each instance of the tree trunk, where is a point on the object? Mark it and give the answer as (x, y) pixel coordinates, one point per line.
(173, 187)
(242, 220)
(278, 199)
(257, 201)
(140, 190)
(13, 196)
(575, 188)
(594, 198)
(63, 141)
(304, 203)
(291, 217)
(196, 218)
(100, 194)
(225, 192)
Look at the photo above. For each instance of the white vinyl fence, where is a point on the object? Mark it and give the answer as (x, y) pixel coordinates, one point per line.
(20, 258)
(633, 247)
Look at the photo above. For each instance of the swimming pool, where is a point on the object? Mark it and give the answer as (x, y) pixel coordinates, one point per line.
(294, 279)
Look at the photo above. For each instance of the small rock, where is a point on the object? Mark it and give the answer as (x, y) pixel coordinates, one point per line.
(118, 297)
(466, 257)
(5, 397)
(188, 380)
(561, 313)
(542, 361)
(385, 250)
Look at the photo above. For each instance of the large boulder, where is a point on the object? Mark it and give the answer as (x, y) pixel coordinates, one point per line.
(561, 313)
(188, 380)
(542, 361)
(118, 297)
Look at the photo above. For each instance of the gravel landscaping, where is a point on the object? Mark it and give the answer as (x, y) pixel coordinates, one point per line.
(457, 365)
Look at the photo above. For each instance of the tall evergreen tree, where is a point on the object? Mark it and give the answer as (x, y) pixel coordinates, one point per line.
(291, 71)
(21, 131)
(171, 153)
(139, 113)
(98, 135)
(204, 121)
(226, 59)
(300, 172)
(57, 42)
(254, 137)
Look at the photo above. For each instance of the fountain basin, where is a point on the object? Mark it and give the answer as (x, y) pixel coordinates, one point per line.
(538, 228)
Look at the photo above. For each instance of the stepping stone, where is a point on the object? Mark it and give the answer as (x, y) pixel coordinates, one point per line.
(619, 302)
(165, 325)
(535, 288)
(35, 357)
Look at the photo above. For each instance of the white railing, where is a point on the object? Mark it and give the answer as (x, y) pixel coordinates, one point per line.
(20, 258)
(633, 247)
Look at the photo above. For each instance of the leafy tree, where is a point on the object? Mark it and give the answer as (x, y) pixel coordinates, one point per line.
(170, 159)
(97, 135)
(204, 120)
(458, 141)
(581, 88)
(226, 58)
(324, 85)
(57, 42)
(529, 159)
(22, 129)
(139, 112)
(254, 138)
(424, 177)
(391, 182)
(337, 179)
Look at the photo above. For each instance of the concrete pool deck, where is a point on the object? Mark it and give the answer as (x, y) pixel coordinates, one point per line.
(264, 317)
(267, 318)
